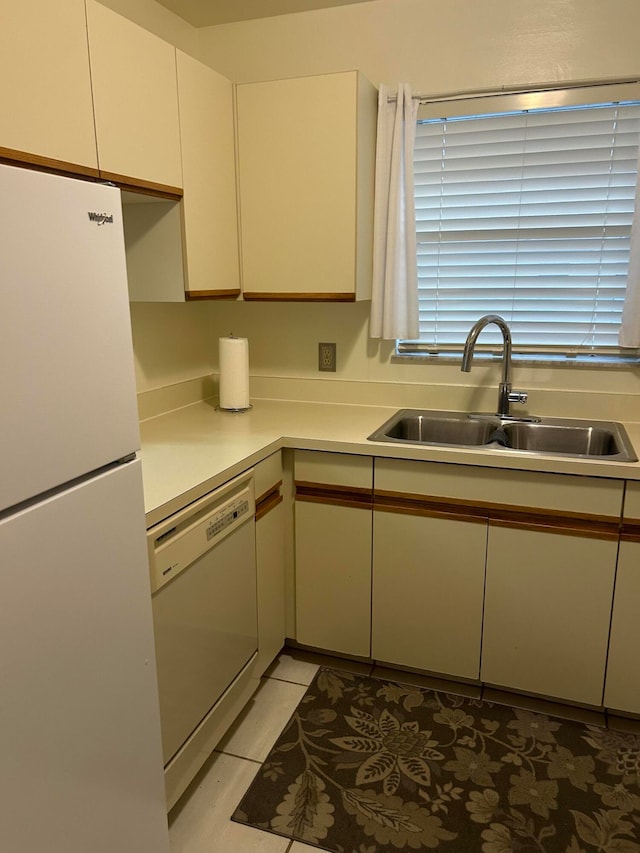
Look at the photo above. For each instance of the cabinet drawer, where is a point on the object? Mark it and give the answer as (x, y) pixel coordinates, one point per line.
(632, 501)
(267, 474)
(591, 496)
(336, 469)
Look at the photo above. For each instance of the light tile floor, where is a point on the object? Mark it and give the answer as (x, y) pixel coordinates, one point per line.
(200, 821)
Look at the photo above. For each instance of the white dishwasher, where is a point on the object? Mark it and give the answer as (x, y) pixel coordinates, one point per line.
(203, 578)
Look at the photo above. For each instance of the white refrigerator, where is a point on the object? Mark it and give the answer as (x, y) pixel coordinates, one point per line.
(80, 747)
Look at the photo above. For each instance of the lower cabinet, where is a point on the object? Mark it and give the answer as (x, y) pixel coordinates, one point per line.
(622, 687)
(270, 559)
(333, 551)
(447, 577)
(547, 612)
(428, 588)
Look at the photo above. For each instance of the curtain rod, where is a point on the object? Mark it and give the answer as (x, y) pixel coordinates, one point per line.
(515, 90)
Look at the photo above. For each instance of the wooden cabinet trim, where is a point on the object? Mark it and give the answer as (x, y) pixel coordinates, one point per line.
(274, 489)
(429, 507)
(146, 187)
(268, 501)
(528, 518)
(257, 296)
(193, 295)
(550, 524)
(58, 167)
(630, 531)
(352, 496)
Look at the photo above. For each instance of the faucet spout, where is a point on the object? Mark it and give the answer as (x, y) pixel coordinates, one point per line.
(505, 394)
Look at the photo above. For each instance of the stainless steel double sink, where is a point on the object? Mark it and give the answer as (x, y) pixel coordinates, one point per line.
(560, 436)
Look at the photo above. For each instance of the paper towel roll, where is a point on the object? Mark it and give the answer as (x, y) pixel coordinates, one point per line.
(233, 356)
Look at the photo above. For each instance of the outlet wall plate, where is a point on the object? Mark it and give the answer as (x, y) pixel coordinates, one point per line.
(327, 357)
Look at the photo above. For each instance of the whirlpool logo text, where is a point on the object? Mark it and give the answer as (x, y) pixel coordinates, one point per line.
(100, 218)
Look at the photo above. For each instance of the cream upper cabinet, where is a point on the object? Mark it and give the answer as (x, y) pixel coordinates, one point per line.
(622, 687)
(135, 96)
(212, 264)
(188, 249)
(46, 112)
(306, 150)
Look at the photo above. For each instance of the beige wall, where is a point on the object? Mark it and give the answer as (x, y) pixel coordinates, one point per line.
(437, 46)
(158, 20)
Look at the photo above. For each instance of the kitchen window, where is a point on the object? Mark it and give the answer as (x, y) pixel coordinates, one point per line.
(524, 208)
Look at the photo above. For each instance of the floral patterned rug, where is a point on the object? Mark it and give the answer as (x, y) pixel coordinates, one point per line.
(366, 766)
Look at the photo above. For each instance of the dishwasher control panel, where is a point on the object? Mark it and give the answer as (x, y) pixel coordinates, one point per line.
(180, 540)
(224, 518)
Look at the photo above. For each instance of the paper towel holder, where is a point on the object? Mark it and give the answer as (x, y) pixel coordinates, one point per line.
(222, 409)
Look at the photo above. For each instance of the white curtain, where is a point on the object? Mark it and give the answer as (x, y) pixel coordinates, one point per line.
(394, 302)
(630, 326)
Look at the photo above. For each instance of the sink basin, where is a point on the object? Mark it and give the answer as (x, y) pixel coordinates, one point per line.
(559, 436)
(573, 440)
(437, 428)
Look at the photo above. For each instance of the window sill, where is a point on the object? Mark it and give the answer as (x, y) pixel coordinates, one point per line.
(579, 362)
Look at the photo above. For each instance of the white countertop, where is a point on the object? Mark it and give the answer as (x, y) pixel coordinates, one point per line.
(189, 451)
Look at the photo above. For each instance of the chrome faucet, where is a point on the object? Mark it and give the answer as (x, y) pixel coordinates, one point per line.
(505, 394)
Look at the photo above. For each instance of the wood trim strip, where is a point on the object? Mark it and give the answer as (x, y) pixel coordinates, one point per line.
(13, 157)
(552, 525)
(432, 507)
(193, 295)
(270, 296)
(335, 495)
(530, 518)
(268, 502)
(630, 531)
(270, 491)
(136, 185)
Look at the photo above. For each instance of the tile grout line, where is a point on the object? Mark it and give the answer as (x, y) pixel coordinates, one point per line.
(240, 757)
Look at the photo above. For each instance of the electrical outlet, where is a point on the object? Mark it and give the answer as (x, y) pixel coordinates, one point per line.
(327, 357)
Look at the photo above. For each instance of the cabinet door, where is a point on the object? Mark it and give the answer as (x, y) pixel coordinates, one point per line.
(46, 112)
(333, 577)
(270, 559)
(333, 525)
(306, 156)
(135, 96)
(209, 181)
(428, 588)
(622, 689)
(547, 612)
(271, 585)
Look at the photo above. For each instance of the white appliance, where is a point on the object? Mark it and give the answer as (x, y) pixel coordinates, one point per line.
(80, 748)
(203, 576)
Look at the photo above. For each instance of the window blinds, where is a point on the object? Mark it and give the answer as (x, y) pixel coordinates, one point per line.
(527, 215)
